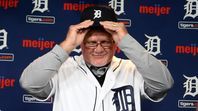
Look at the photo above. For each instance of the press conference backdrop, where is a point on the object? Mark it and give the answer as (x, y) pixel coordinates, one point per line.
(168, 29)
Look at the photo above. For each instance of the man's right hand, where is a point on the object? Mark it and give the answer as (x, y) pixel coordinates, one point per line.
(75, 35)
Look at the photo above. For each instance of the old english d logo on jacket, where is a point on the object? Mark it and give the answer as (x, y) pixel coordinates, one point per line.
(123, 98)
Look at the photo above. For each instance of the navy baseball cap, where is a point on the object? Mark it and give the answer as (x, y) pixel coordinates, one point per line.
(98, 13)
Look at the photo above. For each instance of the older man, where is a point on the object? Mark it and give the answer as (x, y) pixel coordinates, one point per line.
(97, 80)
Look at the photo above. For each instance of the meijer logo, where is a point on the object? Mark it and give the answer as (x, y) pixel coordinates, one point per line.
(76, 6)
(192, 49)
(6, 82)
(40, 44)
(5, 4)
(154, 10)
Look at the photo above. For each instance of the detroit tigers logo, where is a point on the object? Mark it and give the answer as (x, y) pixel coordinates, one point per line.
(123, 98)
(3, 39)
(40, 5)
(97, 14)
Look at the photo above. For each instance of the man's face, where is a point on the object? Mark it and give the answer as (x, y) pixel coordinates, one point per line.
(98, 49)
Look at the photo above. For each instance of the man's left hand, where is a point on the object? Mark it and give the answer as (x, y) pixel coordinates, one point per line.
(117, 29)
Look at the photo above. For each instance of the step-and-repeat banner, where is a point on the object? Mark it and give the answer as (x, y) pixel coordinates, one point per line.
(168, 29)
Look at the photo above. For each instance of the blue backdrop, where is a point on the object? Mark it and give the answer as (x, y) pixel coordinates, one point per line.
(167, 29)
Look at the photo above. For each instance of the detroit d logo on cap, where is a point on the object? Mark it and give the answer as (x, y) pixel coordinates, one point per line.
(97, 14)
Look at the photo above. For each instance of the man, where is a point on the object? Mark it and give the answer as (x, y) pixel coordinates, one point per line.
(96, 80)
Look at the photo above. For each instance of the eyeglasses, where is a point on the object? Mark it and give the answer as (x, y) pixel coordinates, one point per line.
(94, 44)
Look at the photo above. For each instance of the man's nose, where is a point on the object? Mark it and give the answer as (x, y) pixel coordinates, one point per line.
(99, 48)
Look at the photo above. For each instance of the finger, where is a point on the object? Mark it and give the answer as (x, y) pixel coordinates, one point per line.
(108, 22)
(118, 27)
(110, 31)
(81, 36)
(114, 26)
(85, 24)
(82, 25)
